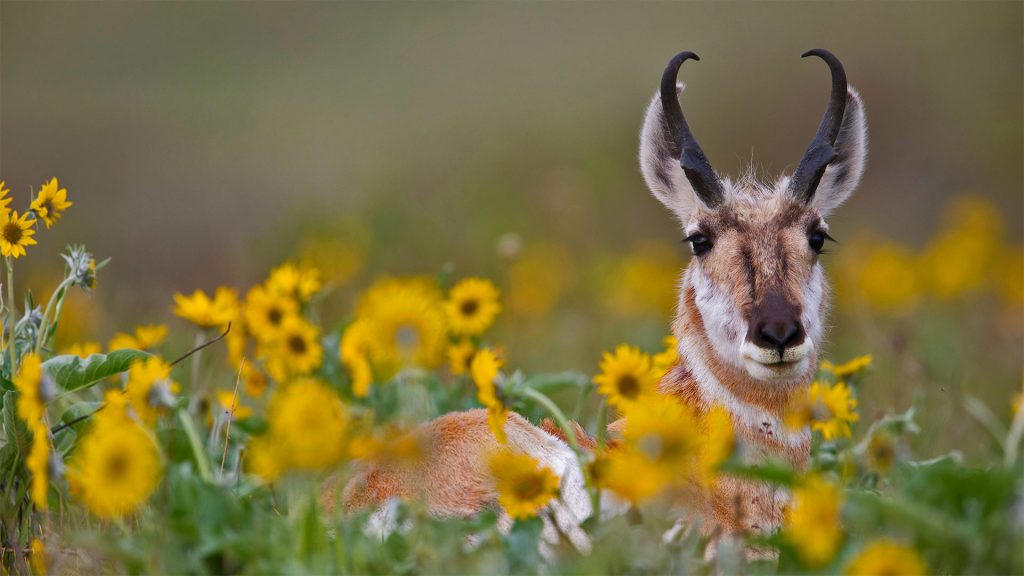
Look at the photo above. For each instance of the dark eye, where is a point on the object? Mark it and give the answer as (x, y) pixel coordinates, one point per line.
(817, 240)
(699, 243)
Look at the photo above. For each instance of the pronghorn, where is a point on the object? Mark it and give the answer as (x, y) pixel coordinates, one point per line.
(749, 321)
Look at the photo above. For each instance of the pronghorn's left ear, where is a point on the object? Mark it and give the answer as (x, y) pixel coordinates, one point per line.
(843, 174)
(659, 163)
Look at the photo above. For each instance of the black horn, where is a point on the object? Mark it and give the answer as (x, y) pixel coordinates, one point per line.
(822, 148)
(691, 158)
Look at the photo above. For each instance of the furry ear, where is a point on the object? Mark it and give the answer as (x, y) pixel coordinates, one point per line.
(843, 175)
(660, 166)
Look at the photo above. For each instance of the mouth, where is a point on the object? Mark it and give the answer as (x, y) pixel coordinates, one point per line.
(774, 364)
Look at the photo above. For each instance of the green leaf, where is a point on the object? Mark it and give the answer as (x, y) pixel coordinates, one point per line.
(550, 383)
(71, 372)
(7, 384)
(773, 471)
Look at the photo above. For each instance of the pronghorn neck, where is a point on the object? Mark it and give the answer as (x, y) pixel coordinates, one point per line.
(704, 378)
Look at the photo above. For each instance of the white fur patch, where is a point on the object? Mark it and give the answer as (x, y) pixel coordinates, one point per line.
(723, 322)
(815, 292)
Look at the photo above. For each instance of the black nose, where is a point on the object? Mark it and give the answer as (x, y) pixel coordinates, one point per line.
(779, 334)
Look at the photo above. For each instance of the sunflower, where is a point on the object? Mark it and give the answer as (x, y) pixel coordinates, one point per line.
(718, 441)
(15, 233)
(827, 409)
(266, 311)
(460, 356)
(294, 281)
(665, 434)
(883, 557)
(472, 306)
(37, 559)
(264, 459)
(666, 359)
(408, 323)
(484, 370)
(626, 376)
(51, 202)
(116, 465)
(38, 463)
(812, 520)
(844, 371)
(307, 423)
(4, 198)
(33, 391)
(231, 405)
(146, 337)
(207, 312)
(83, 349)
(356, 349)
(150, 389)
(524, 486)
(296, 351)
(254, 380)
(881, 451)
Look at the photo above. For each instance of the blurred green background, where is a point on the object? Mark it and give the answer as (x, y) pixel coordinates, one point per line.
(203, 143)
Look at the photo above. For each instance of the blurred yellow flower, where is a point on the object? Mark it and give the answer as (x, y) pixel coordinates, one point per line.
(883, 275)
(32, 392)
(207, 312)
(1011, 275)
(146, 337)
(15, 233)
(338, 260)
(356, 349)
(844, 371)
(460, 356)
(254, 380)
(407, 321)
(116, 465)
(884, 557)
(266, 311)
(83, 349)
(626, 376)
(644, 281)
(961, 258)
(812, 520)
(666, 359)
(4, 198)
(51, 202)
(296, 351)
(827, 409)
(38, 463)
(227, 401)
(37, 560)
(294, 281)
(717, 442)
(484, 370)
(307, 422)
(390, 446)
(472, 306)
(524, 486)
(538, 279)
(881, 451)
(149, 389)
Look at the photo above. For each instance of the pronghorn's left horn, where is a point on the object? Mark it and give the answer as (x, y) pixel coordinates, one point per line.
(822, 148)
(692, 159)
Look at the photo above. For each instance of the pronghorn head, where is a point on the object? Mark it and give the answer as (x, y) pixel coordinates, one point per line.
(755, 277)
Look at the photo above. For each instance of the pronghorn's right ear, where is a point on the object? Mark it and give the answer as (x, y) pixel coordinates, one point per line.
(843, 175)
(659, 162)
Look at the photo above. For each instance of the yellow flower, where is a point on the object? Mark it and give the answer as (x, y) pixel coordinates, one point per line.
(32, 395)
(146, 337)
(718, 441)
(356, 348)
(264, 459)
(228, 401)
(460, 356)
(116, 465)
(881, 451)
(626, 376)
(254, 379)
(266, 311)
(472, 306)
(408, 322)
(207, 312)
(4, 198)
(51, 202)
(538, 279)
(629, 474)
(38, 463)
(15, 233)
(664, 444)
(844, 371)
(812, 520)
(484, 370)
(296, 351)
(962, 258)
(1011, 275)
(524, 486)
(884, 275)
(643, 282)
(150, 388)
(338, 260)
(307, 423)
(666, 359)
(883, 557)
(295, 282)
(37, 559)
(827, 409)
(390, 446)
(84, 349)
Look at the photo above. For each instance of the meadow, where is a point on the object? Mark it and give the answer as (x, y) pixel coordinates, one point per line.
(200, 443)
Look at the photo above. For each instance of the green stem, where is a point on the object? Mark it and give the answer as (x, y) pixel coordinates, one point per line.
(12, 316)
(197, 446)
(44, 326)
(557, 414)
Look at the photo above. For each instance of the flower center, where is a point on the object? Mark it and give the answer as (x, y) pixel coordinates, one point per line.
(12, 232)
(407, 337)
(117, 466)
(274, 315)
(820, 412)
(528, 487)
(469, 307)
(297, 344)
(48, 206)
(628, 385)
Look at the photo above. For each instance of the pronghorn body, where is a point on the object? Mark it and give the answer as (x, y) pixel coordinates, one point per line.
(749, 321)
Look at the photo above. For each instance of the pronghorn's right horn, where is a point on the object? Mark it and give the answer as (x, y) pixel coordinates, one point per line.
(822, 150)
(691, 158)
